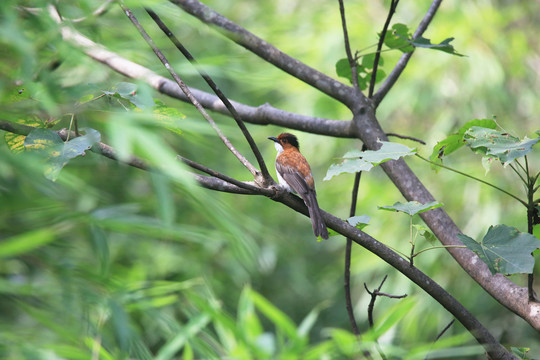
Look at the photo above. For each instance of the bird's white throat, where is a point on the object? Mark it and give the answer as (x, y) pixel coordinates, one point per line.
(279, 148)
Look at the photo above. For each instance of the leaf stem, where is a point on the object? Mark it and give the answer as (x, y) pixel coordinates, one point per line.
(439, 247)
(518, 173)
(474, 178)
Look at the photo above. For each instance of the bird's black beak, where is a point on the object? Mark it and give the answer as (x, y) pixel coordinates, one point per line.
(273, 139)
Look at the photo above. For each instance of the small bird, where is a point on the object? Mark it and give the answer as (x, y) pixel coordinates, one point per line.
(294, 174)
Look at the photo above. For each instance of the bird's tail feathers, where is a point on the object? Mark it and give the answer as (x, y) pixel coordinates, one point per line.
(319, 227)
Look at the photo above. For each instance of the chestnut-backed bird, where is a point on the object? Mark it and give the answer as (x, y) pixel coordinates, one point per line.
(294, 174)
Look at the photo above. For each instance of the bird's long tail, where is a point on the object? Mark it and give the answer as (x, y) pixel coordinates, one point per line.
(319, 227)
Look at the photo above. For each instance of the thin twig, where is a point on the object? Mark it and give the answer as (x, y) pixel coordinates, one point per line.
(441, 334)
(217, 91)
(402, 63)
(391, 11)
(473, 177)
(348, 252)
(405, 137)
(352, 61)
(374, 294)
(188, 93)
(219, 175)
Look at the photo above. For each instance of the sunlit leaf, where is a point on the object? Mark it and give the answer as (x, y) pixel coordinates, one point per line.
(359, 222)
(455, 141)
(397, 38)
(412, 207)
(25, 242)
(355, 160)
(57, 152)
(425, 233)
(505, 249)
(442, 46)
(494, 143)
(139, 96)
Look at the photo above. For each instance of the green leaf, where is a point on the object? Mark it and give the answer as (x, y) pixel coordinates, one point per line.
(25, 242)
(455, 141)
(347, 166)
(359, 222)
(57, 152)
(355, 160)
(398, 37)
(425, 233)
(493, 143)
(412, 207)
(442, 46)
(505, 249)
(192, 328)
(139, 96)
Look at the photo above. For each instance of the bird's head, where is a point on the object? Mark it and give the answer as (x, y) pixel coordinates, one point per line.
(285, 140)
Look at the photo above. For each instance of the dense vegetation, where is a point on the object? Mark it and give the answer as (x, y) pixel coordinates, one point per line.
(126, 256)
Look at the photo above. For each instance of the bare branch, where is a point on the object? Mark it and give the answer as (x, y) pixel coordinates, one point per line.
(402, 63)
(264, 170)
(256, 173)
(391, 11)
(260, 115)
(268, 52)
(352, 60)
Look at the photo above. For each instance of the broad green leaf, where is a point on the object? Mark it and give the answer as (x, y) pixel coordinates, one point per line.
(387, 151)
(15, 142)
(505, 249)
(425, 233)
(493, 143)
(25, 242)
(139, 96)
(355, 160)
(412, 207)
(347, 166)
(43, 139)
(343, 69)
(359, 222)
(369, 59)
(57, 152)
(455, 141)
(398, 37)
(442, 46)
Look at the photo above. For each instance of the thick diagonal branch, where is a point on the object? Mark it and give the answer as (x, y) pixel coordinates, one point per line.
(266, 51)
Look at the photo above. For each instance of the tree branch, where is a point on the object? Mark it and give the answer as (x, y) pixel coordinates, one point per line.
(264, 170)
(267, 52)
(391, 11)
(468, 320)
(260, 115)
(402, 63)
(365, 127)
(350, 58)
(256, 173)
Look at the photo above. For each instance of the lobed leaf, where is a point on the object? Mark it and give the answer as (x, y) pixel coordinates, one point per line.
(505, 249)
(355, 160)
(412, 207)
(455, 141)
(442, 46)
(494, 143)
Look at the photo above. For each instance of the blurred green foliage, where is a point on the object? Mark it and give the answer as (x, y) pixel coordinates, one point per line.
(113, 262)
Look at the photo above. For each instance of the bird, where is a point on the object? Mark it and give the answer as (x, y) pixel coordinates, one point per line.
(294, 174)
